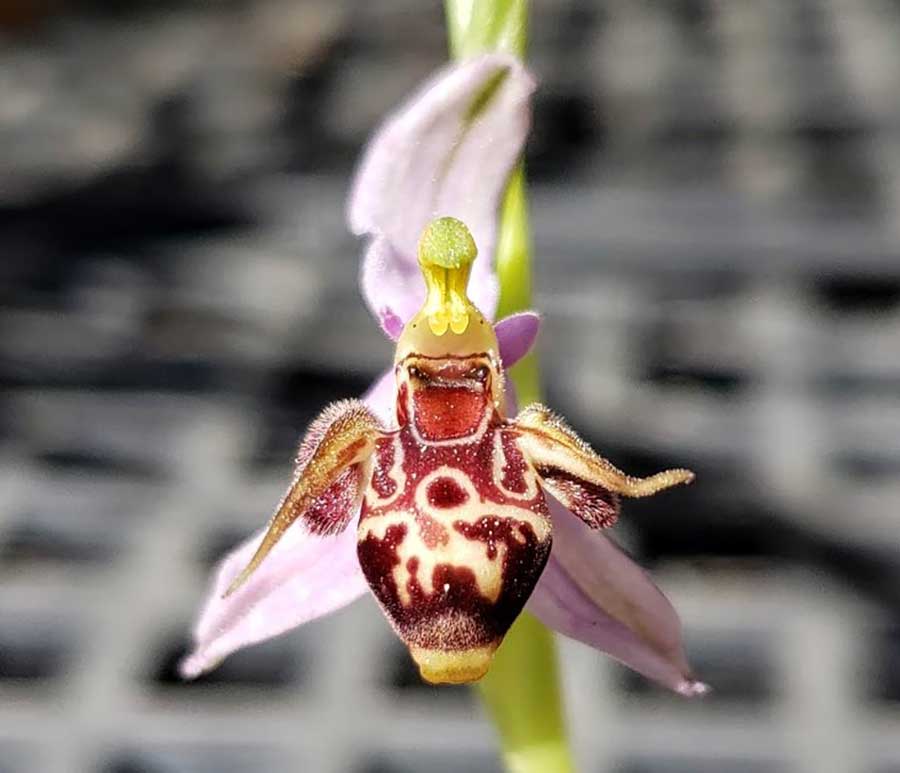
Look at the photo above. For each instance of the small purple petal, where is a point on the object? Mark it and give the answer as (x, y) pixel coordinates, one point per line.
(304, 577)
(391, 324)
(381, 397)
(432, 158)
(591, 591)
(516, 335)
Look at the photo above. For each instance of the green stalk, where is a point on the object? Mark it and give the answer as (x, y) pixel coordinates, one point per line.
(513, 262)
(477, 26)
(522, 690)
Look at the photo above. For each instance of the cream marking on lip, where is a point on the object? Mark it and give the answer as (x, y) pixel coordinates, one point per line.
(475, 507)
(459, 550)
(396, 473)
(528, 473)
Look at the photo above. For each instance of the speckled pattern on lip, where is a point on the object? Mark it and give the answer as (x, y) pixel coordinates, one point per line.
(453, 556)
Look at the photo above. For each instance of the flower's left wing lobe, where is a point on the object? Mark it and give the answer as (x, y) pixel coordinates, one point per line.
(304, 577)
(308, 571)
(333, 464)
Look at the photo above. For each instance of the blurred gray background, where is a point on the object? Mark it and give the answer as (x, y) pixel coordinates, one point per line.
(716, 191)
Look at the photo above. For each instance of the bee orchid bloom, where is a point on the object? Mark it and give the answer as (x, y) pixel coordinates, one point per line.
(425, 492)
(446, 517)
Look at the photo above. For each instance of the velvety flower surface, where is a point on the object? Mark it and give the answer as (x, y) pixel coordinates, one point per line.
(449, 151)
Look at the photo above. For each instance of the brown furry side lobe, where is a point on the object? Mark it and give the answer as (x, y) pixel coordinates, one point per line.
(586, 483)
(332, 470)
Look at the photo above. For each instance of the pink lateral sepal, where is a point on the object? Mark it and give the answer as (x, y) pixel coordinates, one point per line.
(593, 592)
(304, 577)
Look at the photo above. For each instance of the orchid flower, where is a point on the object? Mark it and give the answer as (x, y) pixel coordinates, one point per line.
(453, 514)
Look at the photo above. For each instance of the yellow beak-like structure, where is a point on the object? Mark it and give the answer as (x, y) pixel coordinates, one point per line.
(448, 324)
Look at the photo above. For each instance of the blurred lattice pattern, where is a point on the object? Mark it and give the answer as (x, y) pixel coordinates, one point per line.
(716, 198)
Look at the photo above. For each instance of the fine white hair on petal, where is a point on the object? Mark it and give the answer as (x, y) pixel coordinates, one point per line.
(448, 150)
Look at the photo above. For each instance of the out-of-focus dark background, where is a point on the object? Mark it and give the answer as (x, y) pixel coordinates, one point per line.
(716, 191)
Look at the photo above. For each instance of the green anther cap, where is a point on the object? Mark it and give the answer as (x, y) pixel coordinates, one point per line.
(447, 243)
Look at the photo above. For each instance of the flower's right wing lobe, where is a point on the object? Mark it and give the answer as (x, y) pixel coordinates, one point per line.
(333, 465)
(586, 483)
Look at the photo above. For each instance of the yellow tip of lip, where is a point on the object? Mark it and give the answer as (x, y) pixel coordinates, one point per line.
(453, 666)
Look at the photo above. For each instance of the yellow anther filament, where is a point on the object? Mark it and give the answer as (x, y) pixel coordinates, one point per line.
(448, 324)
(446, 253)
(446, 305)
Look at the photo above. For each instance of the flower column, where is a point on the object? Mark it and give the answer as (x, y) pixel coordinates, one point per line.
(522, 690)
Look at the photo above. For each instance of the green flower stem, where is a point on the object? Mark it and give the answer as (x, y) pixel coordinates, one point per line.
(513, 261)
(477, 26)
(522, 695)
(522, 690)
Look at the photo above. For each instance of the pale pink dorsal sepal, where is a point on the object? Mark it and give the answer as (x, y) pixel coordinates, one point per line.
(448, 150)
(392, 286)
(591, 591)
(304, 577)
